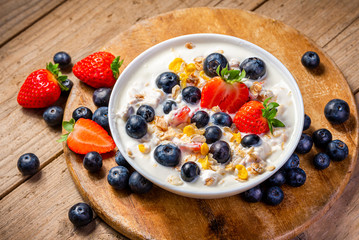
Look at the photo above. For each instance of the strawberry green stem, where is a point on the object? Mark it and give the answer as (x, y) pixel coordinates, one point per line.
(69, 127)
(269, 112)
(115, 66)
(54, 69)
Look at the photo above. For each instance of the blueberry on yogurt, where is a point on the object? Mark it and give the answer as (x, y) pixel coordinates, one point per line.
(212, 62)
(212, 134)
(147, 112)
(200, 118)
(191, 95)
(221, 151)
(167, 155)
(254, 67)
(222, 119)
(189, 171)
(136, 126)
(250, 140)
(167, 80)
(168, 106)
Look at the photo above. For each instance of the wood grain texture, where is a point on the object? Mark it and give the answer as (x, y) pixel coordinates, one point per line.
(15, 16)
(142, 216)
(344, 50)
(84, 29)
(44, 209)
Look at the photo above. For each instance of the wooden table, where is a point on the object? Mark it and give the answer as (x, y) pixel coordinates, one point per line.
(32, 31)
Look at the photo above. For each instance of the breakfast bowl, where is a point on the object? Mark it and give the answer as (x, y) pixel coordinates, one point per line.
(155, 100)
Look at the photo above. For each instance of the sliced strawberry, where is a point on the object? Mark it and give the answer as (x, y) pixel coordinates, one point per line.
(192, 147)
(87, 136)
(227, 92)
(181, 116)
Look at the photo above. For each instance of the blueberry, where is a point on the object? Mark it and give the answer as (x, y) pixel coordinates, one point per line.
(82, 112)
(255, 68)
(293, 162)
(136, 126)
(321, 161)
(139, 184)
(305, 144)
(100, 116)
(190, 171)
(101, 97)
(118, 177)
(296, 177)
(321, 137)
(28, 164)
(168, 155)
(221, 151)
(191, 95)
(147, 112)
(212, 62)
(53, 115)
(120, 160)
(337, 111)
(92, 161)
(310, 60)
(337, 150)
(80, 214)
(307, 122)
(222, 119)
(201, 118)
(168, 106)
(250, 140)
(212, 134)
(63, 59)
(253, 195)
(274, 195)
(277, 179)
(166, 81)
(69, 84)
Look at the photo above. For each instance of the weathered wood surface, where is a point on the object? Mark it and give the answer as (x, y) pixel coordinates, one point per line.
(81, 28)
(229, 218)
(15, 16)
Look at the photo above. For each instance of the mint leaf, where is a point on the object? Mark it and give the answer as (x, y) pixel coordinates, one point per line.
(63, 138)
(69, 126)
(277, 123)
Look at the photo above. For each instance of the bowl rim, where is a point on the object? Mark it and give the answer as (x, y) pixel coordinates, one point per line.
(293, 86)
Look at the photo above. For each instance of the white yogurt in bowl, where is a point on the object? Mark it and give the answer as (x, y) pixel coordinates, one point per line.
(137, 86)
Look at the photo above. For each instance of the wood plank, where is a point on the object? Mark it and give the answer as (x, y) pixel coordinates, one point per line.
(344, 50)
(342, 221)
(15, 16)
(195, 217)
(320, 20)
(89, 29)
(43, 203)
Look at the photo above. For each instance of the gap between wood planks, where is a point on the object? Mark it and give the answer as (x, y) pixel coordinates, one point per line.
(12, 188)
(31, 24)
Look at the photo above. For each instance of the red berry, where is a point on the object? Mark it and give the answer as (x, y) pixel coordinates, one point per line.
(99, 69)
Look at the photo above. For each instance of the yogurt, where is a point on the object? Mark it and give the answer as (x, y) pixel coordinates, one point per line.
(141, 89)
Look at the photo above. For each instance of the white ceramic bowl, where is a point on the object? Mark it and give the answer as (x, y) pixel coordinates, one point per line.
(218, 191)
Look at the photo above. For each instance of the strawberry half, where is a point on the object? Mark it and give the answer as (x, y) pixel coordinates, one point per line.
(256, 117)
(86, 136)
(100, 69)
(225, 91)
(42, 87)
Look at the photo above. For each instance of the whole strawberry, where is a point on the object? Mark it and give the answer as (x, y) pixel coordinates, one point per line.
(256, 117)
(100, 69)
(42, 87)
(225, 91)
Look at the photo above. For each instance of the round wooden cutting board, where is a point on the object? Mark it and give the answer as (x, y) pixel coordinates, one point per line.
(163, 215)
